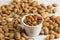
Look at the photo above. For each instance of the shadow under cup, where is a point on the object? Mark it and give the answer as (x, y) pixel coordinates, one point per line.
(32, 30)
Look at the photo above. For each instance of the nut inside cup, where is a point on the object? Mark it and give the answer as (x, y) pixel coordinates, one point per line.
(37, 22)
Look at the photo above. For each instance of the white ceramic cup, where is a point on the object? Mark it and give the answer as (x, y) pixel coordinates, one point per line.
(32, 30)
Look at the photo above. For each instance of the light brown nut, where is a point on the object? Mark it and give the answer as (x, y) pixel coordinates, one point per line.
(52, 36)
(5, 29)
(47, 38)
(34, 22)
(11, 39)
(4, 15)
(43, 6)
(15, 10)
(54, 10)
(30, 8)
(46, 24)
(34, 10)
(24, 35)
(1, 27)
(53, 17)
(1, 36)
(47, 19)
(0, 9)
(46, 30)
(55, 24)
(44, 14)
(58, 19)
(29, 39)
(7, 34)
(11, 35)
(30, 1)
(51, 32)
(41, 10)
(18, 28)
(35, 3)
(49, 11)
(17, 35)
(58, 30)
(26, 10)
(22, 38)
(42, 32)
(4, 9)
(2, 39)
(26, 5)
(50, 21)
(6, 38)
(10, 6)
(24, 0)
(23, 5)
(54, 5)
(51, 39)
(51, 27)
(15, 0)
(31, 17)
(49, 6)
(57, 35)
(1, 31)
(4, 22)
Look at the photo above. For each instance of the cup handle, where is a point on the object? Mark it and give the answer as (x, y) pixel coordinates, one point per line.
(22, 24)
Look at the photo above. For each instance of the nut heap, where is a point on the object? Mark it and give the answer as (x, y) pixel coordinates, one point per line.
(33, 20)
(24, 7)
(8, 32)
(10, 17)
(52, 36)
(11, 32)
(51, 25)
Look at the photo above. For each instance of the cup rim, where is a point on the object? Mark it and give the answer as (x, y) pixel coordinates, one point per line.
(28, 15)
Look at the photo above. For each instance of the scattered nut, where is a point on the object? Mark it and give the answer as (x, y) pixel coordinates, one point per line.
(1, 36)
(22, 38)
(30, 39)
(52, 36)
(54, 10)
(11, 36)
(57, 35)
(54, 5)
(49, 6)
(42, 32)
(17, 35)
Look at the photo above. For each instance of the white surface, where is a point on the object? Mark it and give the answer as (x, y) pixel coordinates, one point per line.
(47, 2)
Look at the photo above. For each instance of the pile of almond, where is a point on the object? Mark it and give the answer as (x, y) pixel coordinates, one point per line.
(51, 25)
(8, 32)
(10, 17)
(33, 20)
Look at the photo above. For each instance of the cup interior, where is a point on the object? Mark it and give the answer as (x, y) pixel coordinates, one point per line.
(29, 25)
